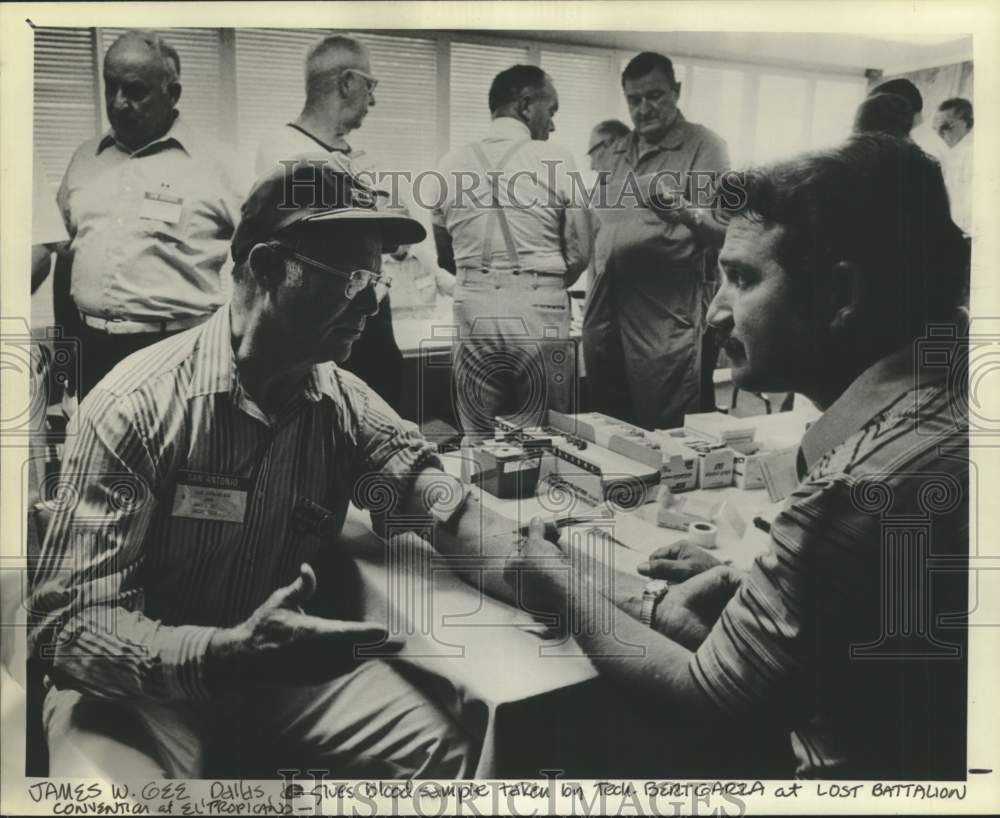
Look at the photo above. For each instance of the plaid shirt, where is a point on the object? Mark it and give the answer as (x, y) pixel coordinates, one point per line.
(134, 576)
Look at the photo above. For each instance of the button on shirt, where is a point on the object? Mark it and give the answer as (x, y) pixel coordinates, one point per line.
(133, 577)
(634, 232)
(150, 230)
(841, 629)
(536, 191)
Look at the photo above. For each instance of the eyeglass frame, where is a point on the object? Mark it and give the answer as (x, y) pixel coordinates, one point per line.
(374, 279)
(368, 78)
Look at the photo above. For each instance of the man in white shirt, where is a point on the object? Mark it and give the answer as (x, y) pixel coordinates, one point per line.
(953, 123)
(519, 242)
(340, 89)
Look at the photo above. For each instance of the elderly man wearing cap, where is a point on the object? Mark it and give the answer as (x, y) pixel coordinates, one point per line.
(175, 607)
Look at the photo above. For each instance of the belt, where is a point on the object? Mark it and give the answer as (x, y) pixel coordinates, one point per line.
(119, 326)
(470, 273)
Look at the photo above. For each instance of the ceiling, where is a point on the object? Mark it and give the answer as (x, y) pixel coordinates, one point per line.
(849, 53)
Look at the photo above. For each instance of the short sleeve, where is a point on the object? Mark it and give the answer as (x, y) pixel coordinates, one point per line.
(805, 595)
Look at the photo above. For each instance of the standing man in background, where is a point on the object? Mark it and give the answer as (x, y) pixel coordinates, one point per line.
(149, 208)
(340, 88)
(953, 123)
(655, 261)
(607, 383)
(519, 243)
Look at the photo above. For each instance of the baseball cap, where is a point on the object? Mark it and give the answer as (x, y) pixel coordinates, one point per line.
(313, 192)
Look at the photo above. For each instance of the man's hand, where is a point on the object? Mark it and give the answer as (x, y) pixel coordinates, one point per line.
(445, 281)
(690, 609)
(671, 206)
(538, 570)
(677, 562)
(279, 644)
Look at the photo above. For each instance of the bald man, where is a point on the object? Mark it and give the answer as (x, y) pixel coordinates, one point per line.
(340, 88)
(150, 207)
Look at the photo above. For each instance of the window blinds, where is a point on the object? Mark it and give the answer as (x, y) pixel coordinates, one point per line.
(582, 83)
(66, 101)
(473, 67)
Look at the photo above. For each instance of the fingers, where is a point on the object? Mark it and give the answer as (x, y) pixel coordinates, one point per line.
(673, 570)
(714, 586)
(672, 551)
(294, 595)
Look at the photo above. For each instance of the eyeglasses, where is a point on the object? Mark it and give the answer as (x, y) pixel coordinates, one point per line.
(602, 144)
(372, 81)
(357, 280)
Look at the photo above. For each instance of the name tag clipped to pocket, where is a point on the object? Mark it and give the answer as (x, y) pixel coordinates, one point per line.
(161, 207)
(204, 496)
(309, 517)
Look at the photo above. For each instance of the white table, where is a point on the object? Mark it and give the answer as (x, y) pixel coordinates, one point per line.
(476, 642)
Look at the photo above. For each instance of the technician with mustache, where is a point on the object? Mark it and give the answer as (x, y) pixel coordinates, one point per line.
(150, 207)
(842, 272)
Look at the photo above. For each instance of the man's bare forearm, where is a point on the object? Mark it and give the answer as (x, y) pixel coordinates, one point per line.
(477, 538)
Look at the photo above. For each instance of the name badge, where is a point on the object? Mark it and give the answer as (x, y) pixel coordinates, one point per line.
(204, 496)
(161, 207)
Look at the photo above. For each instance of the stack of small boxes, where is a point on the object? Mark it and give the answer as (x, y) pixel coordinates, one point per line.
(736, 435)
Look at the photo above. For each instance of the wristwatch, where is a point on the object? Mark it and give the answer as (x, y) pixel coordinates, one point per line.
(652, 595)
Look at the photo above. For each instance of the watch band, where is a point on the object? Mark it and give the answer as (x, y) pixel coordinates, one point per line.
(652, 595)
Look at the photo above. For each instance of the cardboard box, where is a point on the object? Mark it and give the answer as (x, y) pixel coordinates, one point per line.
(599, 474)
(725, 430)
(678, 464)
(747, 474)
(714, 461)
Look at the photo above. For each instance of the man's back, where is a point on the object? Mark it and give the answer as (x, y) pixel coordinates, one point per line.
(533, 185)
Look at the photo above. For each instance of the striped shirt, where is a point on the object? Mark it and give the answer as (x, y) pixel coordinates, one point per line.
(187, 506)
(839, 632)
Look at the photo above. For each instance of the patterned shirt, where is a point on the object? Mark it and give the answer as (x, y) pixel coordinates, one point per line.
(841, 628)
(185, 508)
(551, 230)
(150, 229)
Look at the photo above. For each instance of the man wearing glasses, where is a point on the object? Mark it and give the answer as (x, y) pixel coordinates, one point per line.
(212, 471)
(340, 89)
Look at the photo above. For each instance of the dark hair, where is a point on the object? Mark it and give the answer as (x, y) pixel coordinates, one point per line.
(642, 64)
(903, 88)
(613, 128)
(877, 202)
(961, 107)
(884, 113)
(510, 83)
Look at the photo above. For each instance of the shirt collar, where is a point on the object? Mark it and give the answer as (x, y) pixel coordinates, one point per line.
(215, 369)
(339, 144)
(178, 134)
(506, 127)
(673, 138)
(877, 388)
